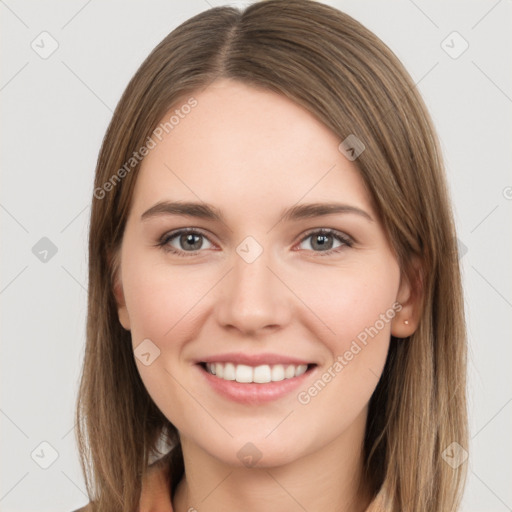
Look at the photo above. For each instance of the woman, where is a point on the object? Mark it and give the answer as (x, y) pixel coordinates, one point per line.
(275, 311)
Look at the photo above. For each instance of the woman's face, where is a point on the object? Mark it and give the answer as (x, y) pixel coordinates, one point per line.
(246, 277)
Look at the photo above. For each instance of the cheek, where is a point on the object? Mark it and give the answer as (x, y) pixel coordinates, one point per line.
(346, 302)
(161, 300)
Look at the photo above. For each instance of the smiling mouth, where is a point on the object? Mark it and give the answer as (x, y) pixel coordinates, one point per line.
(260, 374)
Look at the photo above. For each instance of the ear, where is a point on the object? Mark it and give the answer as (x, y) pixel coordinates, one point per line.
(117, 289)
(410, 295)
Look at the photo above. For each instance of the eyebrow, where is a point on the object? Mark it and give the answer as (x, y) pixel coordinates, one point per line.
(209, 212)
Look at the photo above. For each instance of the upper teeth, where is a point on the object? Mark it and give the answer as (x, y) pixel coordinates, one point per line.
(259, 374)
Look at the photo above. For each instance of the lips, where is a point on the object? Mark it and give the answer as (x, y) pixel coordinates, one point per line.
(255, 378)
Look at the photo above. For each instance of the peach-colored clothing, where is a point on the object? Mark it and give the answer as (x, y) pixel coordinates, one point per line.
(155, 495)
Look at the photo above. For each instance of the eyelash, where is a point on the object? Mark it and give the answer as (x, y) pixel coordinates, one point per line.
(165, 239)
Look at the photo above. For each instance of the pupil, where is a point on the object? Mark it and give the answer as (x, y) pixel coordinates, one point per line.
(189, 239)
(322, 241)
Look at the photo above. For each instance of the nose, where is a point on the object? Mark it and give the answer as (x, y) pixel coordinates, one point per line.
(252, 298)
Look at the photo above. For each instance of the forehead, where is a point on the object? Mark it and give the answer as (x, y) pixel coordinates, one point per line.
(250, 146)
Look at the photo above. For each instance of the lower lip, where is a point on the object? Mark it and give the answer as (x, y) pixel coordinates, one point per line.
(254, 393)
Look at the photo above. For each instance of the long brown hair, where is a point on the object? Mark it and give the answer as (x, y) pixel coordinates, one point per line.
(349, 79)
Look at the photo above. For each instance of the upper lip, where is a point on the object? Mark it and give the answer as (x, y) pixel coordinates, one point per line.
(253, 359)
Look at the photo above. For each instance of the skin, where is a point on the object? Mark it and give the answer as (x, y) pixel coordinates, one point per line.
(251, 153)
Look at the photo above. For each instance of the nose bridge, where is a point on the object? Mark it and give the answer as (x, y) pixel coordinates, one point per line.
(252, 297)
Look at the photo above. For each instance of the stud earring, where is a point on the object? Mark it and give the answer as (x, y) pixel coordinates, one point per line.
(406, 322)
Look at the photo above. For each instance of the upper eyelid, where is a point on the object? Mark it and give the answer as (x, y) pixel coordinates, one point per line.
(168, 235)
(328, 231)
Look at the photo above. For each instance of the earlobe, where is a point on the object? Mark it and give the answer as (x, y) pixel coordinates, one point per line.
(118, 291)
(122, 311)
(409, 296)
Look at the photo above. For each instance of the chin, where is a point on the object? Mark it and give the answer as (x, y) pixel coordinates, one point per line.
(258, 451)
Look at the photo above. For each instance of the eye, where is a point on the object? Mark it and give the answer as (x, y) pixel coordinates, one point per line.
(187, 242)
(323, 241)
(184, 241)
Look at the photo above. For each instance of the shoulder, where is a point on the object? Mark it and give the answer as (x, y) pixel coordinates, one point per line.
(156, 484)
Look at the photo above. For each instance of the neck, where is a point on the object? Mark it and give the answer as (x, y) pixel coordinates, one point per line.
(327, 479)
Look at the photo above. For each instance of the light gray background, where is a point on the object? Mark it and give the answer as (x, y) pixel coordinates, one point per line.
(55, 112)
